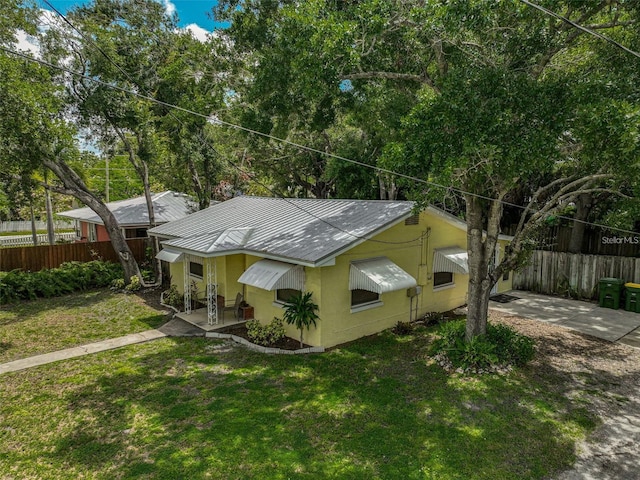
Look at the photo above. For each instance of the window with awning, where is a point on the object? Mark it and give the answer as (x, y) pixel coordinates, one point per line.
(274, 275)
(169, 255)
(379, 275)
(451, 259)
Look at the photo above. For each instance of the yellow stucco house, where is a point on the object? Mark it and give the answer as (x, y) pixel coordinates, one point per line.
(369, 264)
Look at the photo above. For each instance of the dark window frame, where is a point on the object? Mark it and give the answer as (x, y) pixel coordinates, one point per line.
(284, 294)
(439, 283)
(366, 297)
(199, 267)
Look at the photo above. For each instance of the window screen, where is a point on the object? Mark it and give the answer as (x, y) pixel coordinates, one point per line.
(362, 297)
(442, 278)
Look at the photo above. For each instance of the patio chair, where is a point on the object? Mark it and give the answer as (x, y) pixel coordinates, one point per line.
(235, 308)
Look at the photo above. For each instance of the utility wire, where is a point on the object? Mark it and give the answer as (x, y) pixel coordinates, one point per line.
(580, 27)
(216, 120)
(204, 143)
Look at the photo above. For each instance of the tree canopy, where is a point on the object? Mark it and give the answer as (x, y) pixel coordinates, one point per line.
(483, 103)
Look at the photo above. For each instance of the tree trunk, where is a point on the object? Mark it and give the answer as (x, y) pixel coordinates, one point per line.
(584, 202)
(142, 169)
(481, 245)
(50, 227)
(73, 185)
(34, 231)
(387, 187)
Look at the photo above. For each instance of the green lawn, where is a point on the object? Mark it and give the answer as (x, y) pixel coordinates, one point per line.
(46, 325)
(194, 408)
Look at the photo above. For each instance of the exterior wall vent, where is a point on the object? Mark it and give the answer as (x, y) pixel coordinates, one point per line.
(413, 219)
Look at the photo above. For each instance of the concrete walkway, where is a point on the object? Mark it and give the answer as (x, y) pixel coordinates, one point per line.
(585, 317)
(74, 352)
(173, 328)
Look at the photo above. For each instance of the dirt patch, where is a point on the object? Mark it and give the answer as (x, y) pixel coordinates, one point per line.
(151, 297)
(599, 375)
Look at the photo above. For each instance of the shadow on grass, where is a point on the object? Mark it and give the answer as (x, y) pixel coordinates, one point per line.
(374, 409)
(4, 346)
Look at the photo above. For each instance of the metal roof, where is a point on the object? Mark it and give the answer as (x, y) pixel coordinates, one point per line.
(168, 206)
(308, 231)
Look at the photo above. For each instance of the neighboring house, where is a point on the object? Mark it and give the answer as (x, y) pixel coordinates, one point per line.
(369, 264)
(132, 216)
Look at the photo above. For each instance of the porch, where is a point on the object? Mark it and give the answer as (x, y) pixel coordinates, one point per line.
(198, 317)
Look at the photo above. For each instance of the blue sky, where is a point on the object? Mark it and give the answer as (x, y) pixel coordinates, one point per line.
(190, 12)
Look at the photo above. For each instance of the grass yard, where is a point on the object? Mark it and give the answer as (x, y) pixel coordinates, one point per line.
(194, 408)
(46, 325)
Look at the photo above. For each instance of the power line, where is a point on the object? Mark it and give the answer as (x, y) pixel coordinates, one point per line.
(580, 27)
(204, 143)
(216, 120)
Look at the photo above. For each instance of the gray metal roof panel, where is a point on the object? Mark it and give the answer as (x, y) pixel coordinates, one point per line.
(168, 206)
(304, 229)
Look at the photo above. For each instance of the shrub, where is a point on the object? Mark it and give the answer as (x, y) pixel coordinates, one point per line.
(501, 347)
(117, 284)
(173, 297)
(403, 328)
(432, 318)
(267, 334)
(18, 285)
(134, 284)
(148, 275)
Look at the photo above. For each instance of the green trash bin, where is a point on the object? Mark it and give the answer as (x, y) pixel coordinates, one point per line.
(632, 294)
(610, 292)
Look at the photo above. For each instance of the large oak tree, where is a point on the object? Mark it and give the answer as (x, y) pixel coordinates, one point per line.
(499, 95)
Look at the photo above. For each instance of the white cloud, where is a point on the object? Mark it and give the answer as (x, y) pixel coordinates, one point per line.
(198, 32)
(169, 7)
(27, 43)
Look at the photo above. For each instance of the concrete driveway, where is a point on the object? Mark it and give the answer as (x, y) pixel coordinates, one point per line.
(585, 317)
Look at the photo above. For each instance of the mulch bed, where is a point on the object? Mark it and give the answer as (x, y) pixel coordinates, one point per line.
(285, 343)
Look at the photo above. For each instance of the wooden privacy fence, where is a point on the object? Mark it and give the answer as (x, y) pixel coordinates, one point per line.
(596, 241)
(51, 256)
(573, 275)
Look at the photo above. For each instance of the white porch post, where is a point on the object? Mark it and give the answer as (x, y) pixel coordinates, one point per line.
(187, 284)
(212, 291)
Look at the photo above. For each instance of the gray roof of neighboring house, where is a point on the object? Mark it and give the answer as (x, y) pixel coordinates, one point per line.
(308, 231)
(168, 206)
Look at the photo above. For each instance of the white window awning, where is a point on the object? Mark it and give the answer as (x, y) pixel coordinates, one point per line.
(169, 255)
(273, 275)
(379, 275)
(451, 259)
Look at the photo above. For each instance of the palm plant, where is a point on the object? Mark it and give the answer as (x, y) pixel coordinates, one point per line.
(301, 312)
